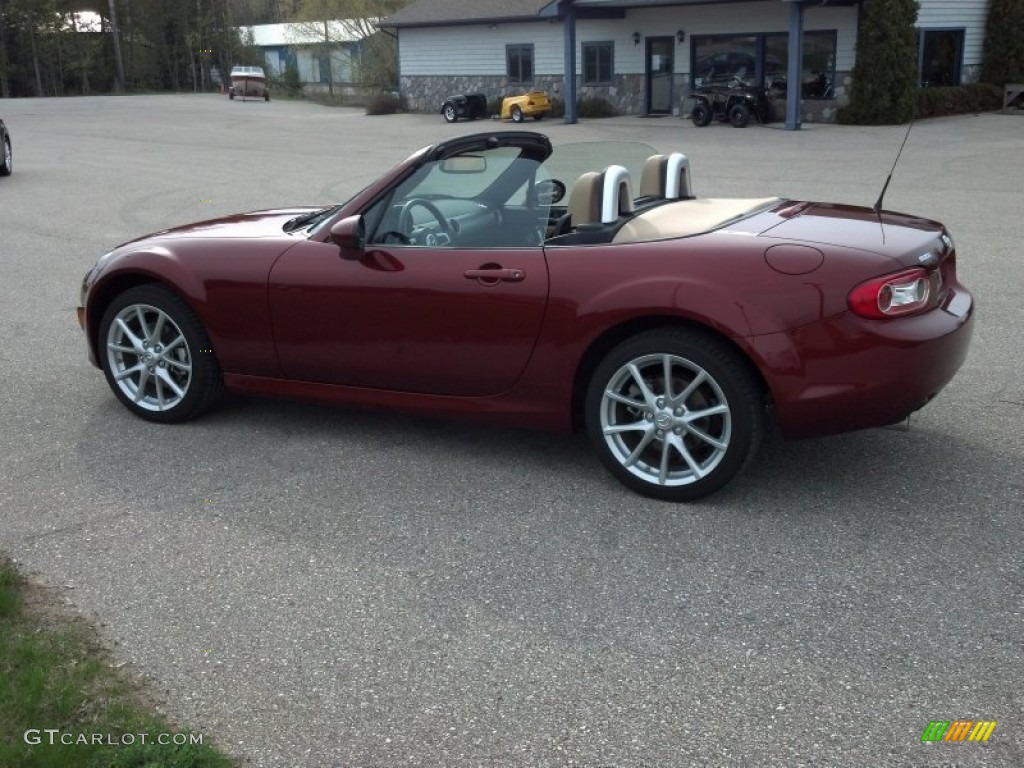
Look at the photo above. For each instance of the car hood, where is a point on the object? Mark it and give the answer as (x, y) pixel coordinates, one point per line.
(884, 232)
(256, 224)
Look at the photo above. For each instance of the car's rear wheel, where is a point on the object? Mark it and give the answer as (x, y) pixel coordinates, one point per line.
(7, 162)
(674, 414)
(157, 357)
(739, 115)
(449, 113)
(701, 114)
(517, 114)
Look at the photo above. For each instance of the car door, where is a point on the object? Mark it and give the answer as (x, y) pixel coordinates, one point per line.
(438, 320)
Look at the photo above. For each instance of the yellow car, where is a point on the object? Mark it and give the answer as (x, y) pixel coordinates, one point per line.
(534, 104)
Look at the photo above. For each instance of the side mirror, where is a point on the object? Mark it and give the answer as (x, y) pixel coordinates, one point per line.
(349, 235)
(549, 191)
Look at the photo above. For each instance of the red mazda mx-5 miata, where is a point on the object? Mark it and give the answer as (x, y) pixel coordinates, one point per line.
(670, 327)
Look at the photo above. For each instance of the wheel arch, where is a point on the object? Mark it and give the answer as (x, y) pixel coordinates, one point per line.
(103, 296)
(617, 334)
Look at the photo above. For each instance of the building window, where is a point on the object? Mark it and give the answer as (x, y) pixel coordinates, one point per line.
(598, 63)
(519, 60)
(942, 54)
(764, 59)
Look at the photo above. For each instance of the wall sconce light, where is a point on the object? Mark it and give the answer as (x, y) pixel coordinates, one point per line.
(680, 36)
(636, 38)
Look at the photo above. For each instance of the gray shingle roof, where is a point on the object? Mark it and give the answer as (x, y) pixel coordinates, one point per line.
(436, 12)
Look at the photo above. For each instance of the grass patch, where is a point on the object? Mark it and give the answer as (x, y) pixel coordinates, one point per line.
(55, 675)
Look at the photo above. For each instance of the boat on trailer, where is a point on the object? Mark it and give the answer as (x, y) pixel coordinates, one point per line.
(249, 82)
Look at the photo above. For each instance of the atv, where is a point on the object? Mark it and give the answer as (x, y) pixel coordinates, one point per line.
(735, 101)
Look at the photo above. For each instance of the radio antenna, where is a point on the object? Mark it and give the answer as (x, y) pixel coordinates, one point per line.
(878, 203)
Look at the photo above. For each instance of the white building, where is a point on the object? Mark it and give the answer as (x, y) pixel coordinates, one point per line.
(644, 56)
(310, 46)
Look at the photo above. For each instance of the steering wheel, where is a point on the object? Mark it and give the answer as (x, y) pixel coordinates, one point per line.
(406, 224)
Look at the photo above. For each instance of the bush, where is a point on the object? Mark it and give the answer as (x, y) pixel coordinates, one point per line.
(288, 81)
(595, 106)
(384, 104)
(885, 74)
(958, 100)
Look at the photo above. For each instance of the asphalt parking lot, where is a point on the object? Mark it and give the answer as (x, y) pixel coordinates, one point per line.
(326, 587)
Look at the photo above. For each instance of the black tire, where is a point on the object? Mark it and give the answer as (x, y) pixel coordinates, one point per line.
(701, 114)
(163, 378)
(449, 113)
(739, 115)
(6, 158)
(649, 458)
(517, 114)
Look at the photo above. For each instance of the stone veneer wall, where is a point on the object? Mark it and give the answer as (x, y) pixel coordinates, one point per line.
(627, 94)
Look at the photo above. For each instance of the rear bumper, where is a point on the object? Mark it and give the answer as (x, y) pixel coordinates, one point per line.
(864, 373)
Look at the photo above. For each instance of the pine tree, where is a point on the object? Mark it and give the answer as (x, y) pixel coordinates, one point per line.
(1004, 43)
(885, 74)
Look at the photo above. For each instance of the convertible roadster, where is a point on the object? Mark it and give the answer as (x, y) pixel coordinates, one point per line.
(465, 283)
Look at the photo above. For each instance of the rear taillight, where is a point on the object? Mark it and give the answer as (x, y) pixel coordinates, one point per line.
(903, 293)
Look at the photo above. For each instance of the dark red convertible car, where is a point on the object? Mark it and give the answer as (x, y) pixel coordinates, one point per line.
(465, 283)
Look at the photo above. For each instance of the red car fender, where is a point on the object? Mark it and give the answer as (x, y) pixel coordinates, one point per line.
(156, 264)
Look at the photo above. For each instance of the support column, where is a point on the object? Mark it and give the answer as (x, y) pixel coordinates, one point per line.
(569, 50)
(794, 73)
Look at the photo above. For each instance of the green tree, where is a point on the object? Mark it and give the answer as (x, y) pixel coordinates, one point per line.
(1004, 43)
(885, 74)
(347, 36)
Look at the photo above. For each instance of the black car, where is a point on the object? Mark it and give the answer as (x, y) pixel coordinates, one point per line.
(7, 161)
(467, 105)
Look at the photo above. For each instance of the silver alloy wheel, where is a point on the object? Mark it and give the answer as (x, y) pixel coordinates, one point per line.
(8, 157)
(149, 357)
(665, 420)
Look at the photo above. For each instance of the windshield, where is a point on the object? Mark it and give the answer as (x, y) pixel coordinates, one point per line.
(569, 161)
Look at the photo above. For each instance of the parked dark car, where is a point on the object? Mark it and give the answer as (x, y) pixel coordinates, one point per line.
(735, 102)
(469, 106)
(672, 329)
(6, 154)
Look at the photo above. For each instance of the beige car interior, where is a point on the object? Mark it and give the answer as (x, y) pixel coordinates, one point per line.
(601, 198)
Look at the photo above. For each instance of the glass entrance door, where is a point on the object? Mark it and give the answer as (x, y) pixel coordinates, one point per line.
(660, 65)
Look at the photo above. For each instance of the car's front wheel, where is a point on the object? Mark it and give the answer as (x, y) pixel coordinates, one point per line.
(7, 161)
(517, 114)
(674, 414)
(157, 357)
(449, 113)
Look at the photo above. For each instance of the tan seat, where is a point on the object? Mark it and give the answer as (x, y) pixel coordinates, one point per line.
(585, 199)
(666, 177)
(597, 198)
